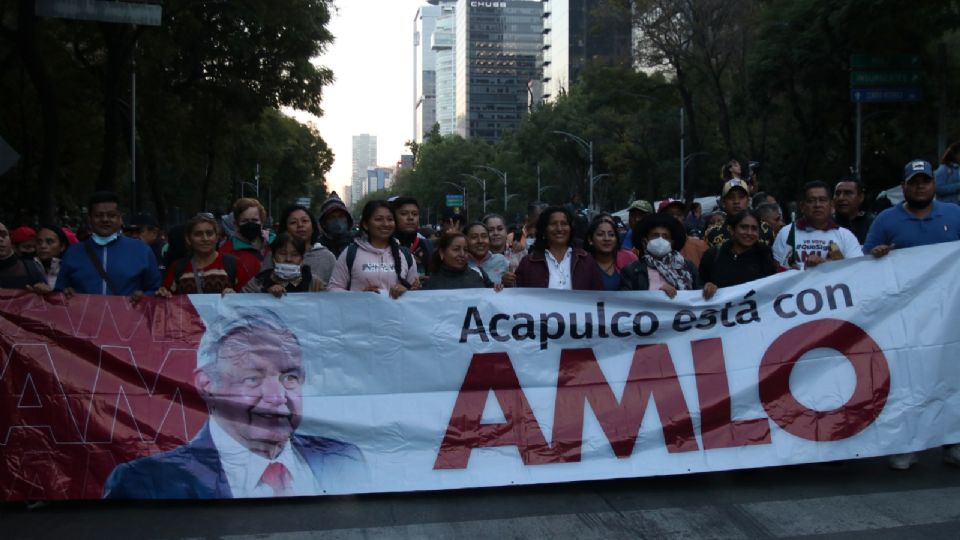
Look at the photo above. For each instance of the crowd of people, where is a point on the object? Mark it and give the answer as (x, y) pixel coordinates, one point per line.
(675, 247)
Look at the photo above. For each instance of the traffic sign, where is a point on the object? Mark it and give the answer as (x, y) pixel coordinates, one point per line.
(885, 78)
(454, 201)
(885, 95)
(8, 156)
(304, 201)
(891, 61)
(142, 12)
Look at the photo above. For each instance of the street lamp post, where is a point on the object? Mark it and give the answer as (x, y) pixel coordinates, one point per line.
(503, 176)
(588, 145)
(483, 184)
(256, 187)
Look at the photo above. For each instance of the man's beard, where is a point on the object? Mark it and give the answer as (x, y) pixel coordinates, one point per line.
(918, 204)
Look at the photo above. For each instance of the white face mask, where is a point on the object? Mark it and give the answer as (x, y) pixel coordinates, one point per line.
(658, 247)
(104, 240)
(286, 271)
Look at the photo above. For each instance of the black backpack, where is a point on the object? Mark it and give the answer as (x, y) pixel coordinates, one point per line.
(395, 249)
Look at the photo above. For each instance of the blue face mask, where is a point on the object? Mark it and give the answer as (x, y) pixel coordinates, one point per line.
(104, 240)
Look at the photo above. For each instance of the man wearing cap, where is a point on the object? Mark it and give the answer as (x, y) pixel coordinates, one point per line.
(734, 199)
(637, 212)
(918, 221)
(693, 248)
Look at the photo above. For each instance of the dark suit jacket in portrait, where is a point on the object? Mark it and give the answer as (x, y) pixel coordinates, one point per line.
(194, 471)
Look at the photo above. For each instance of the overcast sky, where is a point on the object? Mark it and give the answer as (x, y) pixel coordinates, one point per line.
(372, 60)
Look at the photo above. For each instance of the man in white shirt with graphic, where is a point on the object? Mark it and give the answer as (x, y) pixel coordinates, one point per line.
(815, 237)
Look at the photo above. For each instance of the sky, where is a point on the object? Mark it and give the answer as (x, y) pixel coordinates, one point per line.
(372, 60)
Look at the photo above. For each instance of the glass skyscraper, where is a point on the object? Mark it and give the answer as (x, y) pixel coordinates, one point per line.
(443, 45)
(497, 67)
(574, 35)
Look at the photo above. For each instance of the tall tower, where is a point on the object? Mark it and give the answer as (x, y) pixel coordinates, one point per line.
(575, 33)
(364, 156)
(424, 71)
(443, 45)
(498, 64)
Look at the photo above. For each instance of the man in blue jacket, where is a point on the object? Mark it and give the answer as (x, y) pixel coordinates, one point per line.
(108, 263)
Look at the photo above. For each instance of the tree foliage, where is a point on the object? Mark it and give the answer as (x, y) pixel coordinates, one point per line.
(210, 81)
(758, 80)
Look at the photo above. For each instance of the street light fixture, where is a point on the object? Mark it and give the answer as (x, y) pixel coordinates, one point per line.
(483, 184)
(503, 176)
(588, 145)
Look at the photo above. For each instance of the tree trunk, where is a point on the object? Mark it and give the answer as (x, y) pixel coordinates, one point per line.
(208, 175)
(118, 53)
(691, 171)
(50, 149)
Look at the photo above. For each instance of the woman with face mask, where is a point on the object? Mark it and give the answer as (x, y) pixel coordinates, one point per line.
(661, 266)
(299, 222)
(449, 268)
(17, 272)
(51, 243)
(250, 244)
(288, 274)
(203, 270)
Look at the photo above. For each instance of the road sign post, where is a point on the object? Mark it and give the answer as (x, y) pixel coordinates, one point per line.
(454, 201)
(882, 79)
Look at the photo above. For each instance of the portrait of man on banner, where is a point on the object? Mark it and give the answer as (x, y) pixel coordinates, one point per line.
(250, 372)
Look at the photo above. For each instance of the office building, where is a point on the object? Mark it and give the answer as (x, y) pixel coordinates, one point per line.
(378, 178)
(497, 65)
(443, 44)
(364, 156)
(424, 71)
(575, 34)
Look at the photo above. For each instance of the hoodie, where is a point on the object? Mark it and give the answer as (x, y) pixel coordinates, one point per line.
(371, 267)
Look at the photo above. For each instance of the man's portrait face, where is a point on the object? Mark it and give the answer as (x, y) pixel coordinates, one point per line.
(254, 388)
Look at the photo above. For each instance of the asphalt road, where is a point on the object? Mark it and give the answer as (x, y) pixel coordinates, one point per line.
(852, 500)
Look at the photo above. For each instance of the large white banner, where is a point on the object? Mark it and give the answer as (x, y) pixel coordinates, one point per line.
(466, 388)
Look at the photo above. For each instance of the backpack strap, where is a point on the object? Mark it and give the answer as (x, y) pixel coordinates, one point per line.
(396, 249)
(88, 248)
(230, 267)
(351, 257)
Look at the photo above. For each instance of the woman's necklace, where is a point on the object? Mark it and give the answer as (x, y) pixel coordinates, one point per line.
(609, 267)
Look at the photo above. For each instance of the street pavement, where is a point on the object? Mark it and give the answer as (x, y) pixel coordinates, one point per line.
(860, 499)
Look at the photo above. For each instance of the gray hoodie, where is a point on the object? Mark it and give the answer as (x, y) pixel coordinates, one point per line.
(371, 267)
